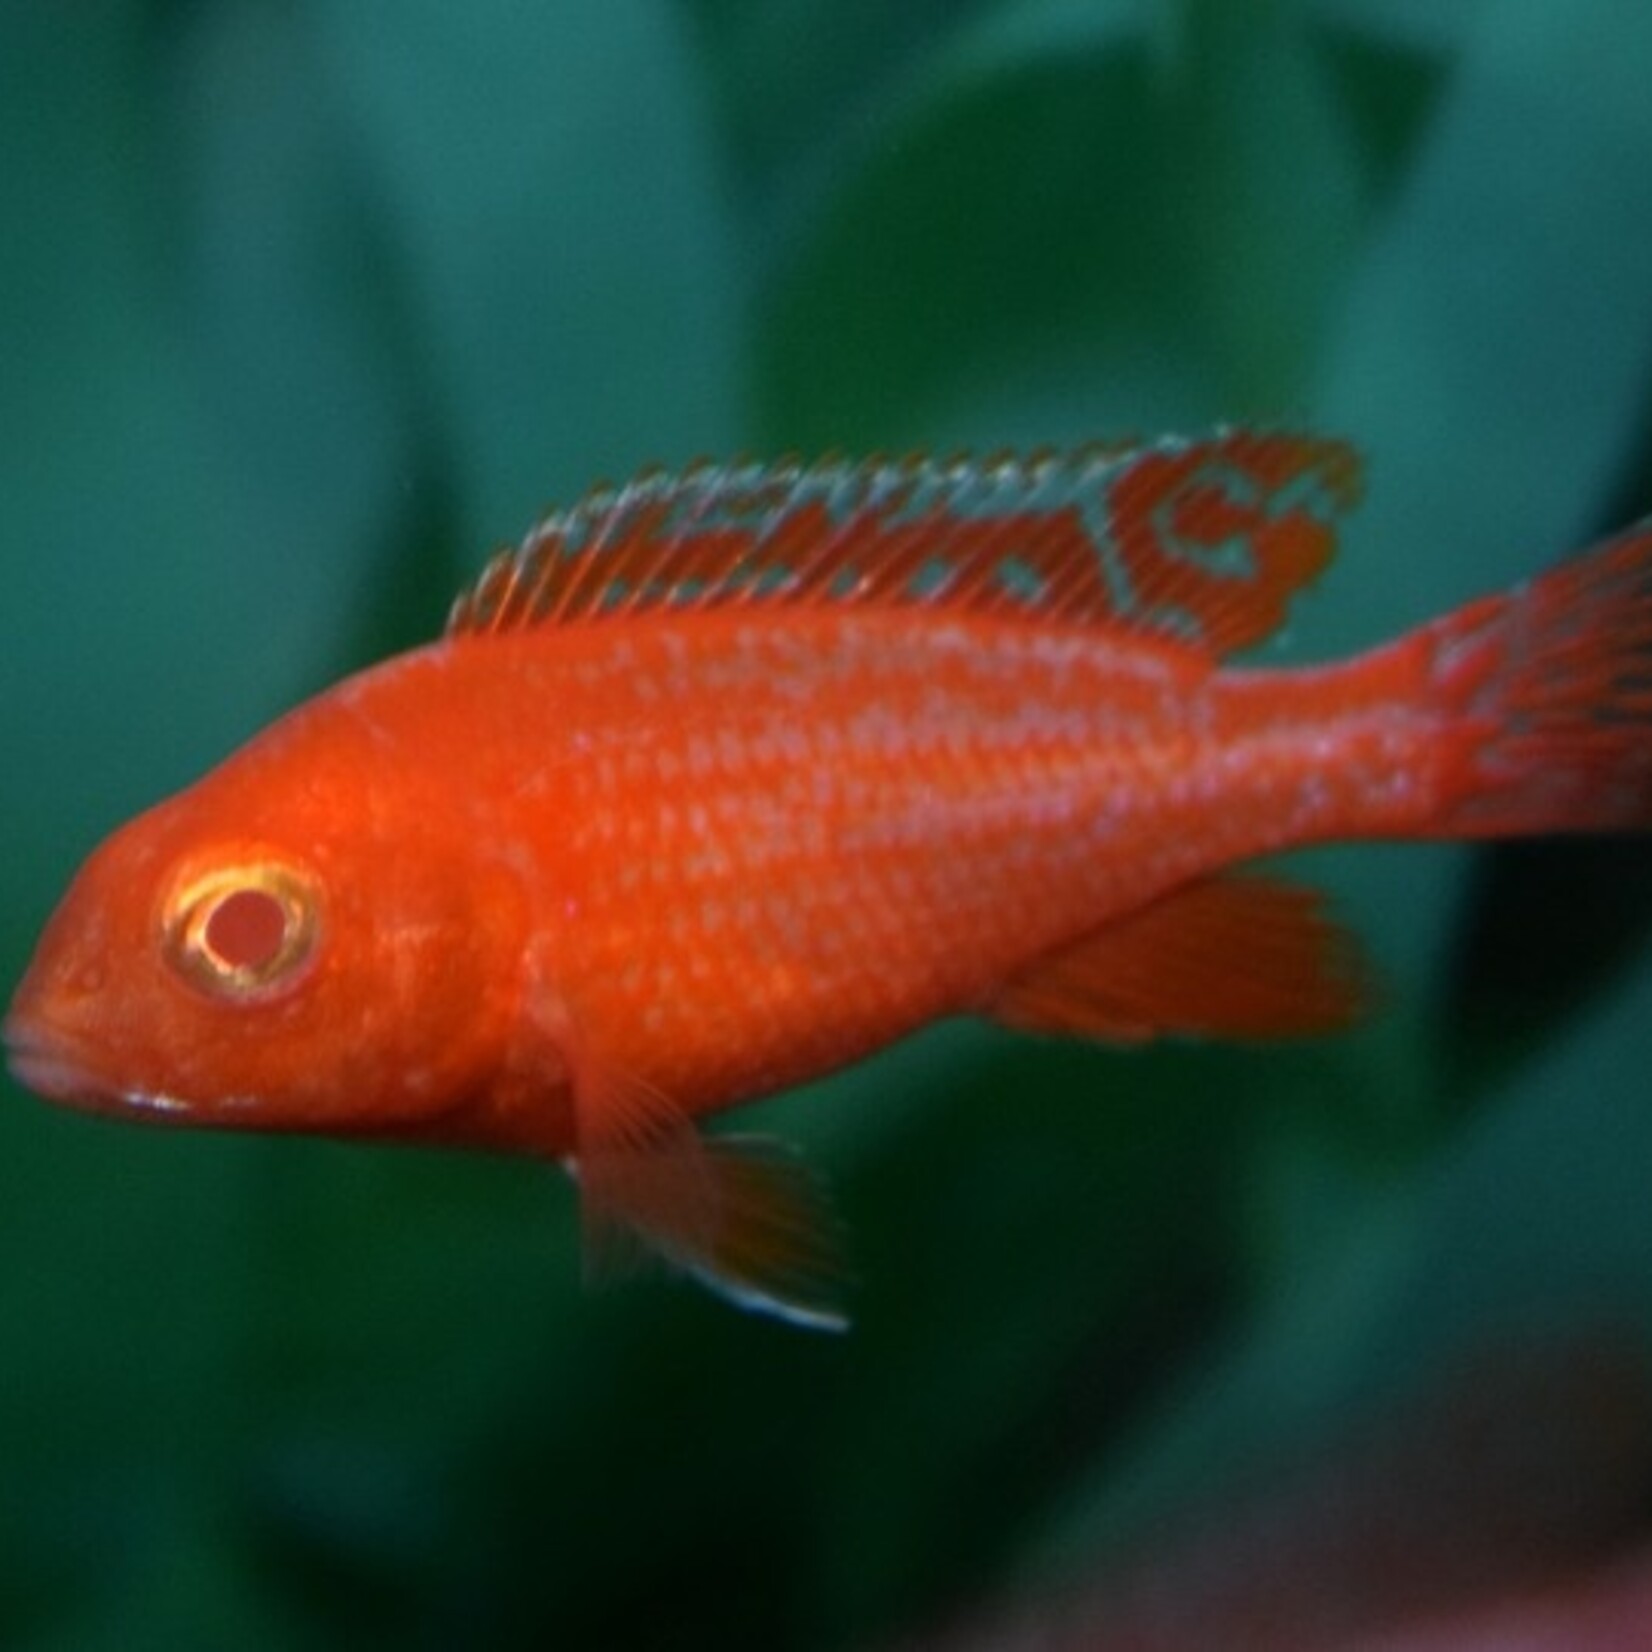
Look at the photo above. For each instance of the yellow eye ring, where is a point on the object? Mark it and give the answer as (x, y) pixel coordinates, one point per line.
(243, 932)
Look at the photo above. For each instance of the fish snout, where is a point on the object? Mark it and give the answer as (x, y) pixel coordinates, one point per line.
(45, 1062)
(48, 1056)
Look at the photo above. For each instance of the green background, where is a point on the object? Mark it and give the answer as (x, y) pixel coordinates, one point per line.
(304, 308)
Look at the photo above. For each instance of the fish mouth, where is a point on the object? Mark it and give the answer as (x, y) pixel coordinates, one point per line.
(45, 1063)
(45, 1060)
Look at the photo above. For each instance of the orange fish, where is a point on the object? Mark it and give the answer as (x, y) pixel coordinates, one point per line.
(726, 779)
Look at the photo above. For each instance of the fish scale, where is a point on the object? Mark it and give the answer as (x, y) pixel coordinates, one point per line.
(907, 841)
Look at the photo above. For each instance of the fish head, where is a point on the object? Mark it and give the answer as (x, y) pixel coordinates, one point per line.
(275, 951)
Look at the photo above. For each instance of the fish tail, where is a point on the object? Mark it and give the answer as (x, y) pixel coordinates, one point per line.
(1548, 694)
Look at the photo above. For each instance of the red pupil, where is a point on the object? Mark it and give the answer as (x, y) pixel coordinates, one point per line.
(246, 929)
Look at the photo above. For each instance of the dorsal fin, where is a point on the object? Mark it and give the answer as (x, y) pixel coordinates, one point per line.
(1200, 542)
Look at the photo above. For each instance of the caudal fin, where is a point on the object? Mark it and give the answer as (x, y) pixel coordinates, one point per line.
(1553, 688)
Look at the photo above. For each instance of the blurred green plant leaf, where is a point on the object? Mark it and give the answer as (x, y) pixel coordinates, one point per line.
(1083, 209)
(1532, 1225)
(550, 185)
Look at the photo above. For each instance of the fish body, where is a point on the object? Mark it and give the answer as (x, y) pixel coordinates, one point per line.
(726, 780)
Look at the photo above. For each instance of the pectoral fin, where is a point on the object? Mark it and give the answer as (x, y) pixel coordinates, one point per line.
(740, 1213)
(1238, 956)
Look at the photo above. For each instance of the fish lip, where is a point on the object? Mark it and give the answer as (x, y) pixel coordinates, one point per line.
(45, 1059)
(45, 1062)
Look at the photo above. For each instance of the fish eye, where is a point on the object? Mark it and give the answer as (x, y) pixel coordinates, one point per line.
(242, 932)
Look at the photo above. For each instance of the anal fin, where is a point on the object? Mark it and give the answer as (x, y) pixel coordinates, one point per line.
(1238, 956)
(741, 1214)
